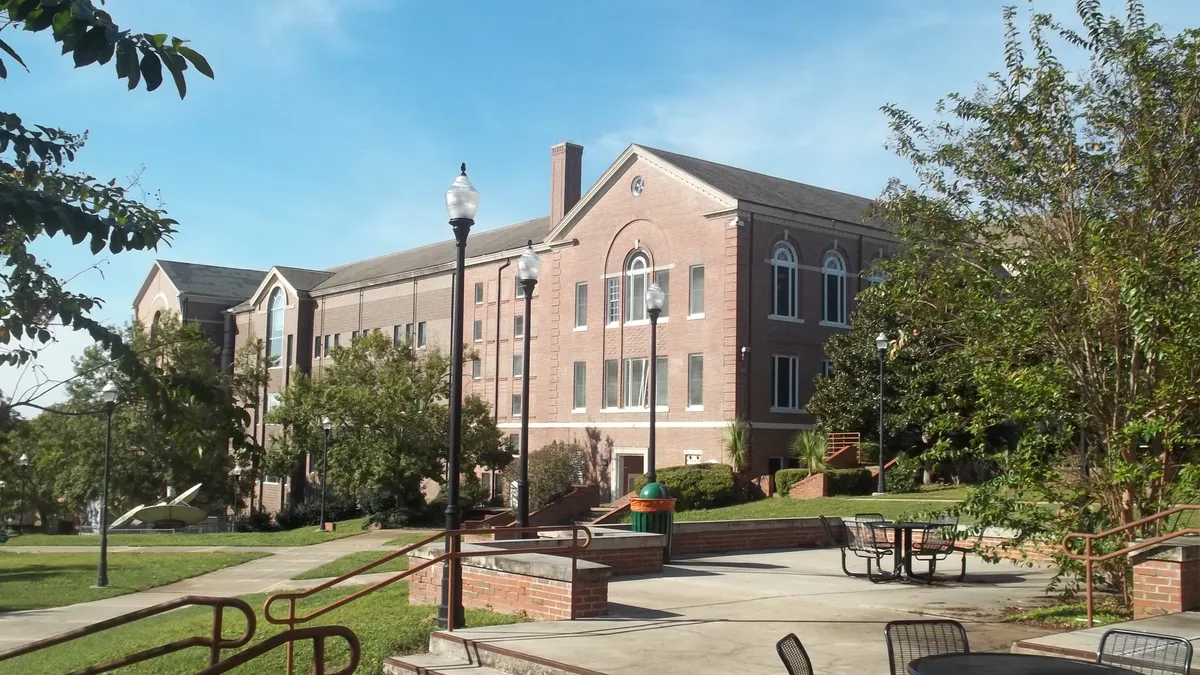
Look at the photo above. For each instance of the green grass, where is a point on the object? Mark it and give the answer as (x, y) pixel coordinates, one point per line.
(1072, 615)
(355, 560)
(782, 507)
(934, 491)
(301, 536)
(385, 623)
(406, 539)
(37, 580)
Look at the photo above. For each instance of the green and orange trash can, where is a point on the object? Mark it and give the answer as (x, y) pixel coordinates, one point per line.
(653, 511)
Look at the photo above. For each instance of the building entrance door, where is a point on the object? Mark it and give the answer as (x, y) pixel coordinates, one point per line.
(631, 467)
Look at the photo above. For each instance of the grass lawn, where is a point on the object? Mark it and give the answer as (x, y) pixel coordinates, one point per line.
(385, 623)
(36, 580)
(1072, 615)
(934, 491)
(355, 560)
(781, 507)
(406, 539)
(301, 536)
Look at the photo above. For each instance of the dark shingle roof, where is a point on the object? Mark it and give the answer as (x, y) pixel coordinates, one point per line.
(301, 279)
(232, 283)
(767, 190)
(479, 243)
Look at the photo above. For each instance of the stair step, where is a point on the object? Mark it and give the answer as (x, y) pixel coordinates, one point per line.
(433, 664)
(507, 660)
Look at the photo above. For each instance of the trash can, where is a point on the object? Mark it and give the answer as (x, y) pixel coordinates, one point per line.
(653, 510)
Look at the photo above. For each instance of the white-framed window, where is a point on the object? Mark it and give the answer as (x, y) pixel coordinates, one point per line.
(270, 403)
(317, 347)
(479, 292)
(579, 386)
(784, 273)
(518, 327)
(612, 390)
(476, 369)
(518, 363)
(833, 289)
(876, 273)
(396, 335)
(695, 380)
(422, 334)
(408, 332)
(663, 279)
(660, 382)
(785, 383)
(692, 457)
(581, 305)
(337, 339)
(637, 275)
(275, 310)
(696, 290)
(516, 405)
(613, 315)
(353, 336)
(518, 288)
(477, 330)
(635, 382)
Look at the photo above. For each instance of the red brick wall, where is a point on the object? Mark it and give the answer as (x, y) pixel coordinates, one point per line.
(795, 533)
(1165, 587)
(627, 561)
(809, 488)
(565, 509)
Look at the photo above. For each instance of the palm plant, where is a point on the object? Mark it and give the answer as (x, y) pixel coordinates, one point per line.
(809, 448)
(736, 444)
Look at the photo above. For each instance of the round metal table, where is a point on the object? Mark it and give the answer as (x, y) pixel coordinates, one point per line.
(1007, 664)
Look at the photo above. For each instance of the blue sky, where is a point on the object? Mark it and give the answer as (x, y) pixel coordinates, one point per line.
(333, 126)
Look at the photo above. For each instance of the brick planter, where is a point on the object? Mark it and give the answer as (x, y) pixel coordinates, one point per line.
(810, 488)
(1166, 579)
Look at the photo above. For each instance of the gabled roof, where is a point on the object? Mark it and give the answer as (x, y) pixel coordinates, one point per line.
(301, 279)
(480, 243)
(230, 283)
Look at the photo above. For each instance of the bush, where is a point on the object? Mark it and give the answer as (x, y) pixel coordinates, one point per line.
(903, 476)
(553, 469)
(696, 486)
(786, 478)
(849, 482)
(337, 507)
(254, 522)
(390, 509)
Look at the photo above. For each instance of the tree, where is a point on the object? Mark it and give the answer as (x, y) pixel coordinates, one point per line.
(809, 448)
(1051, 242)
(249, 384)
(40, 198)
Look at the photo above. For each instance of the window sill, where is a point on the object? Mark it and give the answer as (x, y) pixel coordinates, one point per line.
(638, 322)
(693, 317)
(694, 408)
(478, 341)
(661, 408)
(785, 319)
(789, 411)
(578, 410)
(580, 329)
(613, 324)
(834, 324)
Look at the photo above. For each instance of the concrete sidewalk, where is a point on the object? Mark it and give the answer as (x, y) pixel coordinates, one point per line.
(18, 550)
(256, 576)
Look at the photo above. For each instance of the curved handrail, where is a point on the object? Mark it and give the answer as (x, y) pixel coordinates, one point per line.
(317, 634)
(215, 642)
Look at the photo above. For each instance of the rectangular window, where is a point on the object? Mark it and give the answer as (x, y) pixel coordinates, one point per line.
(395, 335)
(477, 330)
(612, 389)
(518, 362)
(635, 382)
(518, 288)
(516, 405)
(518, 327)
(660, 382)
(479, 293)
(663, 279)
(270, 403)
(422, 336)
(614, 300)
(636, 283)
(786, 383)
(695, 380)
(581, 304)
(317, 347)
(579, 386)
(408, 332)
(696, 291)
(337, 339)
(353, 336)
(328, 343)
(476, 369)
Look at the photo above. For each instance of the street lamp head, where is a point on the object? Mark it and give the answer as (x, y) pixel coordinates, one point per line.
(462, 199)
(655, 298)
(109, 393)
(237, 471)
(3, 484)
(23, 460)
(326, 424)
(881, 342)
(529, 265)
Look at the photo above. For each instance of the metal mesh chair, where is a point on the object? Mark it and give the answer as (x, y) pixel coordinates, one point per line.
(861, 542)
(938, 542)
(908, 641)
(1148, 653)
(794, 658)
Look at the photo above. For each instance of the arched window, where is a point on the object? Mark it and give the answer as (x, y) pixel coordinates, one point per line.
(833, 281)
(783, 280)
(154, 326)
(275, 327)
(637, 280)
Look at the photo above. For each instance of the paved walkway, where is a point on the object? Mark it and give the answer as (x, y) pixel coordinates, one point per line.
(256, 576)
(17, 550)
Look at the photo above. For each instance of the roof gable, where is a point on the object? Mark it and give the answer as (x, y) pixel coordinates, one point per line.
(227, 283)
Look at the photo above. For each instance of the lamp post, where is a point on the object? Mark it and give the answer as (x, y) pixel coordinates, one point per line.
(109, 396)
(655, 298)
(3, 521)
(326, 426)
(529, 267)
(881, 344)
(462, 202)
(237, 495)
(23, 462)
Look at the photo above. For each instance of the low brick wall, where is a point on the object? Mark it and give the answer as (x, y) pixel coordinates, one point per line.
(814, 486)
(529, 584)
(720, 536)
(1166, 579)
(626, 552)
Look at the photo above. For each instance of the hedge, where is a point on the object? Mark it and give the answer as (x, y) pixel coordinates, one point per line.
(837, 481)
(696, 486)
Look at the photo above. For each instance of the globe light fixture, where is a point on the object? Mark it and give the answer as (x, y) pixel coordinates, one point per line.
(655, 299)
(462, 199)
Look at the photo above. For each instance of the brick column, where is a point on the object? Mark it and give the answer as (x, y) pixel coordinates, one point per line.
(1166, 579)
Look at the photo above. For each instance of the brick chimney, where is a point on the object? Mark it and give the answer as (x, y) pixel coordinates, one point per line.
(566, 178)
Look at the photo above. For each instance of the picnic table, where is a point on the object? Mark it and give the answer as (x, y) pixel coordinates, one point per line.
(902, 540)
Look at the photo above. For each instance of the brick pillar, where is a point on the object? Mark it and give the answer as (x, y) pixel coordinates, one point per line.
(1166, 579)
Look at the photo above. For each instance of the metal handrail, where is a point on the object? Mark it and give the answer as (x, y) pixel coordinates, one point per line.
(317, 634)
(1088, 559)
(215, 642)
(455, 553)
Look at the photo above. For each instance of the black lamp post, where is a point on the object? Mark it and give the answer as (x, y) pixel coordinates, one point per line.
(655, 298)
(237, 495)
(326, 425)
(881, 343)
(3, 520)
(109, 396)
(529, 268)
(23, 462)
(462, 202)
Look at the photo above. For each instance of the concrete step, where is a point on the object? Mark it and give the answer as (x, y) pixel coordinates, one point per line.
(434, 664)
(459, 647)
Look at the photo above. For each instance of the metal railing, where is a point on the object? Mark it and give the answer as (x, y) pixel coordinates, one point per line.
(291, 620)
(836, 441)
(215, 642)
(1089, 559)
(317, 634)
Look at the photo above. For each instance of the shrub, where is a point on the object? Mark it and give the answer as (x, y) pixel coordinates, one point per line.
(786, 478)
(903, 476)
(337, 507)
(696, 486)
(257, 521)
(553, 469)
(809, 447)
(849, 481)
(736, 443)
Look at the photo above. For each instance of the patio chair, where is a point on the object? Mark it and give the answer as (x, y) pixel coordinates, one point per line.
(938, 542)
(908, 641)
(862, 542)
(794, 658)
(1148, 653)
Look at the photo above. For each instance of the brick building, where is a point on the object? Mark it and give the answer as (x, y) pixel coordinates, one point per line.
(759, 271)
